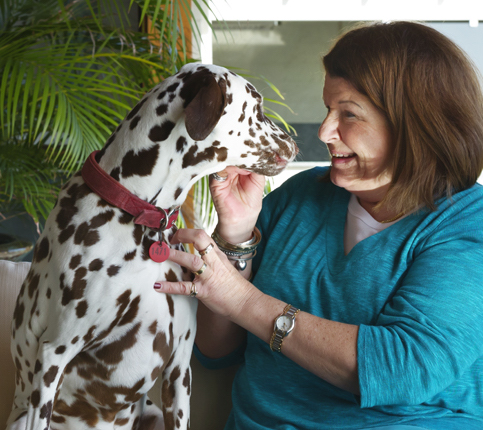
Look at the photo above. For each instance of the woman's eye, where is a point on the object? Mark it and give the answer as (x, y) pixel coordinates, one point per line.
(348, 114)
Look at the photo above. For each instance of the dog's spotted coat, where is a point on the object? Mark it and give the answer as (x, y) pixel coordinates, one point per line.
(90, 336)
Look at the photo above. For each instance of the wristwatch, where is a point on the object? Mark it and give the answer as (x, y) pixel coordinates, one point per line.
(284, 324)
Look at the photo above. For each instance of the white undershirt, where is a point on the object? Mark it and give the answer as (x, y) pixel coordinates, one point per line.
(360, 225)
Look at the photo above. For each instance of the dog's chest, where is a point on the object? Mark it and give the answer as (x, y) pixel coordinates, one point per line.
(92, 270)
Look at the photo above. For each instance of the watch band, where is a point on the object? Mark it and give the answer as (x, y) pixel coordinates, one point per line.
(278, 335)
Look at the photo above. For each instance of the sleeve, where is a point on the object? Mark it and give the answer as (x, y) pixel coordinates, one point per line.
(232, 359)
(431, 331)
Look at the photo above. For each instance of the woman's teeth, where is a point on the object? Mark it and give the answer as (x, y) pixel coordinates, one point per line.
(342, 155)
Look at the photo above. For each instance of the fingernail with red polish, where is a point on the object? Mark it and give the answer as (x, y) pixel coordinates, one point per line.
(157, 286)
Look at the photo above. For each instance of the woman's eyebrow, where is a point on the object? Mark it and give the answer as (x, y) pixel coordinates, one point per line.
(352, 102)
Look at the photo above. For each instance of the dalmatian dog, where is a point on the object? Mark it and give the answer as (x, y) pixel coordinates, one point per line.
(90, 336)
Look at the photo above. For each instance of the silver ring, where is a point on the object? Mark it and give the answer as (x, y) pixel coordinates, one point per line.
(219, 178)
(200, 270)
(206, 250)
(193, 292)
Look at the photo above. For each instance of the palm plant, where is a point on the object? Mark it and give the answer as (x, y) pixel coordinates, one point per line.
(70, 70)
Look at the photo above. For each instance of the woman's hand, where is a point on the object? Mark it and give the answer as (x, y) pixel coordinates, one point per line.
(238, 202)
(326, 348)
(220, 286)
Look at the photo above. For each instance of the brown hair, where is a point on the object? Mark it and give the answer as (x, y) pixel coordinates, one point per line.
(429, 91)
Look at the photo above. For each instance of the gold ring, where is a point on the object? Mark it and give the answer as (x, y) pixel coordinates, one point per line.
(200, 270)
(219, 178)
(206, 250)
(193, 292)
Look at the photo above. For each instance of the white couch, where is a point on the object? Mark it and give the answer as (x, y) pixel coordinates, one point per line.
(211, 390)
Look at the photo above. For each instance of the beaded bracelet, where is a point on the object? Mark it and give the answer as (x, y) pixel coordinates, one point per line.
(239, 252)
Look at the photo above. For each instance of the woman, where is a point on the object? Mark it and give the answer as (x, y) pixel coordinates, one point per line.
(382, 253)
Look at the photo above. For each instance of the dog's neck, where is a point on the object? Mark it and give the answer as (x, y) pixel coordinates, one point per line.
(169, 180)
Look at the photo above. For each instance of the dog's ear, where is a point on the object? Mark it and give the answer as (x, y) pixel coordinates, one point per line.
(206, 108)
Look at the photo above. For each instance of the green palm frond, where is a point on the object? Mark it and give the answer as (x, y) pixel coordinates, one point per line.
(70, 70)
(26, 177)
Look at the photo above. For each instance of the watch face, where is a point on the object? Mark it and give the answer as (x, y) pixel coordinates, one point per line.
(284, 323)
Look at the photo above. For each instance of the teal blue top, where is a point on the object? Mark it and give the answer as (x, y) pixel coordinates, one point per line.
(415, 290)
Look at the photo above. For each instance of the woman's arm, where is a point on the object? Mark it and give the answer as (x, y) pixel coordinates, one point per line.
(326, 348)
(238, 201)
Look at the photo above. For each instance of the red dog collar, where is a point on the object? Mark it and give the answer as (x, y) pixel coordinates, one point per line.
(114, 193)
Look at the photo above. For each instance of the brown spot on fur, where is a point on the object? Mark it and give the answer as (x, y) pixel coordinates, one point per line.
(147, 242)
(115, 173)
(58, 419)
(35, 398)
(96, 265)
(160, 345)
(160, 133)
(125, 218)
(130, 255)
(113, 270)
(171, 276)
(152, 328)
(161, 109)
(141, 163)
(132, 311)
(38, 366)
(187, 381)
(169, 299)
(101, 219)
(18, 314)
(86, 235)
(80, 408)
(75, 340)
(172, 87)
(33, 284)
(133, 124)
(112, 353)
(41, 250)
(60, 349)
(138, 234)
(177, 193)
(121, 421)
(89, 335)
(78, 286)
(66, 234)
(81, 309)
(75, 261)
(181, 143)
(50, 375)
(155, 373)
(190, 159)
(136, 109)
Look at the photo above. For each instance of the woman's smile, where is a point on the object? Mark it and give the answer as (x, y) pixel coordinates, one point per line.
(357, 135)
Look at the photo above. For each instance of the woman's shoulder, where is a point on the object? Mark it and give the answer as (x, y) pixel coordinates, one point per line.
(314, 177)
(459, 215)
(298, 191)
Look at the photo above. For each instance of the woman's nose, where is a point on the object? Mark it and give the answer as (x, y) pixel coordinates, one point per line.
(328, 130)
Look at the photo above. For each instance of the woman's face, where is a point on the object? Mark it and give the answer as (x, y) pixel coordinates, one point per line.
(358, 138)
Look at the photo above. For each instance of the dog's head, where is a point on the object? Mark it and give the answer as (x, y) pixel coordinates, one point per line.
(196, 122)
(224, 112)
